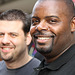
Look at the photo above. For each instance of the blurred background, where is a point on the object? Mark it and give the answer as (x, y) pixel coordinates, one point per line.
(25, 5)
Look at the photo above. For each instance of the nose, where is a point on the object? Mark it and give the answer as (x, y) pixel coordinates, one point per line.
(42, 26)
(5, 39)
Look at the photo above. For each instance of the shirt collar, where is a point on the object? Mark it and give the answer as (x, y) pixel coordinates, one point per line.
(63, 59)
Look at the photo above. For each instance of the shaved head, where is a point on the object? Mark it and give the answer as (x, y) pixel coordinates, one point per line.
(69, 6)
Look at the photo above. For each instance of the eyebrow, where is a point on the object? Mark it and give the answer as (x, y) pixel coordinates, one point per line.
(13, 33)
(9, 33)
(36, 17)
(45, 17)
(51, 16)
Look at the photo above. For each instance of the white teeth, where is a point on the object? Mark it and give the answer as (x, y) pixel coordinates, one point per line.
(43, 38)
(6, 48)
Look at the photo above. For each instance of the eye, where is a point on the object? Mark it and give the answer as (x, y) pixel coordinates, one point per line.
(13, 35)
(1, 35)
(52, 21)
(35, 20)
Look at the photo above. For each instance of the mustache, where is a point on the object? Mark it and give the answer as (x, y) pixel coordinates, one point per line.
(44, 34)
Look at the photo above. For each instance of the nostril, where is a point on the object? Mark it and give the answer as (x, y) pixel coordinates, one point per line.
(5, 44)
(39, 28)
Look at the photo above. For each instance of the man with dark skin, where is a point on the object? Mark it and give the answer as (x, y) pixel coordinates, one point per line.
(53, 33)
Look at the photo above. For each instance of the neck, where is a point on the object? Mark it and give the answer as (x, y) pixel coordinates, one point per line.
(21, 61)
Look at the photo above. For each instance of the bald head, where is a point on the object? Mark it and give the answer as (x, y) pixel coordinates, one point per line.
(69, 6)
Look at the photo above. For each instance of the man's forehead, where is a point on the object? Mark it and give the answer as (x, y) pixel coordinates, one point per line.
(68, 4)
(50, 4)
(52, 8)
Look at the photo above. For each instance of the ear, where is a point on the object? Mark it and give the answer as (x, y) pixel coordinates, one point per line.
(28, 38)
(73, 25)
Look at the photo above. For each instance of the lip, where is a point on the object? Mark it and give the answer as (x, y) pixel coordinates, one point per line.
(6, 49)
(43, 38)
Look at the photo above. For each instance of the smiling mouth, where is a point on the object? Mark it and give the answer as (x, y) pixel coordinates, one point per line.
(43, 37)
(6, 49)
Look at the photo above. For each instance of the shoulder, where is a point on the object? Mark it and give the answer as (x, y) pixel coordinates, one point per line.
(35, 59)
(2, 64)
(34, 62)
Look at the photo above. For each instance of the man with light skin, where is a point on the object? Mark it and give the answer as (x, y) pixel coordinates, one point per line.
(14, 41)
(53, 33)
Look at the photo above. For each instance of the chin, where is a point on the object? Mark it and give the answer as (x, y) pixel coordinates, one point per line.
(6, 59)
(44, 50)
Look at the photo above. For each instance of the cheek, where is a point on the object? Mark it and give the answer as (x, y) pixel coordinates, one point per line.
(32, 30)
(20, 44)
(0, 40)
(62, 34)
(61, 29)
(18, 41)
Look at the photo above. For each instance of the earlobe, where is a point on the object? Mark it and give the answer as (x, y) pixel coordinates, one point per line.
(73, 25)
(28, 38)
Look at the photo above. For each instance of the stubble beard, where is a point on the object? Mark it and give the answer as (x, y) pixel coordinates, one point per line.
(7, 59)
